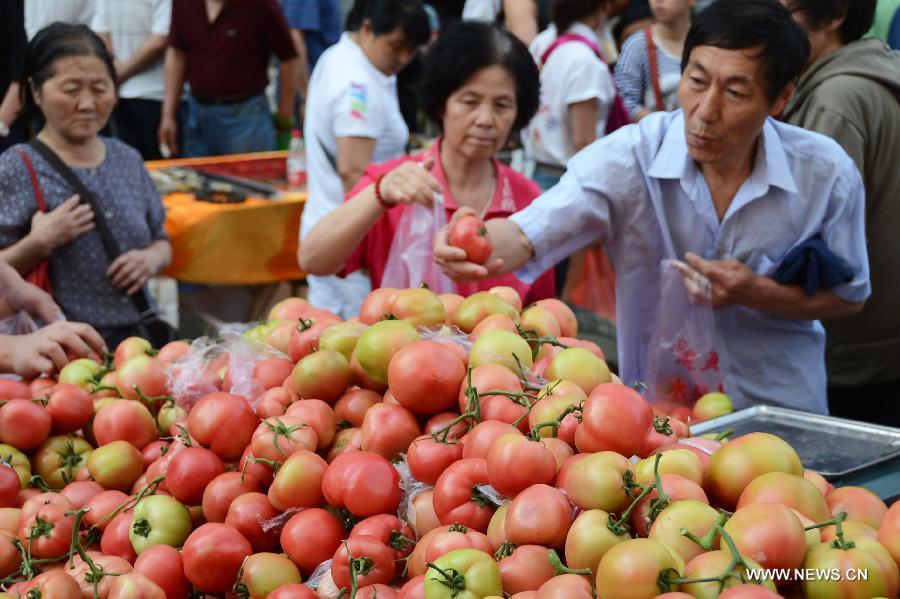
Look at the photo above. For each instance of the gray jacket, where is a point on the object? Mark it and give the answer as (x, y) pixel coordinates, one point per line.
(853, 96)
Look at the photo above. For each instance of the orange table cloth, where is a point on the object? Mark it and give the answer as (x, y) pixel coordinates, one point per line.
(249, 243)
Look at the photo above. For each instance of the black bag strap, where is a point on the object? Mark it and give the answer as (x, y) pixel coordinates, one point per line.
(140, 300)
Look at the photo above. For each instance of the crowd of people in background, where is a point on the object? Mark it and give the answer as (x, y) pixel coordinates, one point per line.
(558, 79)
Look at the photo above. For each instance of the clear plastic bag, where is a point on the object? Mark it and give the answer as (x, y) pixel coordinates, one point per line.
(20, 323)
(195, 374)
(685, 358)
(411, 262)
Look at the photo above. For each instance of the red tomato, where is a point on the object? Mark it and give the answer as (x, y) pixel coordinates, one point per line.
(456, 537)
(189, 473)
(749, 591)
(324, 375)
(439, 422)
(24, 424)
(49, 531)
(345, 441)
(224, 423)
(490, 377)
(353, 405)
(735, 464)
(298, 483)
(889, 533)
(319, 416)
(770, 534)
(54, 583)
(567, 586)
(79, 492)
(134, 586)
(162, 564)
(70, 408)
(363, 546)
(525, 568)
(250, 514)
(539, 515)
(10, 485)
(212, 556)
(632, 569)
(10, 389)
(278, 437)
(678, 488)
(10, 558)
(224, 489)
(153, 451)
(365, 483)
(388, 430)
(388, 529)
(377, 591)
(427, 458)
(454, 498)
(311, 537)
(789, 490)
(274, 402)
(261, 471)
(125, 421)
(271, 372)
(515, 463)
(305, 339)
(101, 505)
(861, 505)
(115, 540)
(376, 305)
(141, 372)
(425, 377)
(293, 591)
(614, 418)
(470, 234)
(478, 441)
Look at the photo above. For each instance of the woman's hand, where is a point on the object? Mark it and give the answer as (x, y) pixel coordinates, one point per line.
(65, 223)
(46, 351)
(452, 259)
(410, 182)
(131, 270)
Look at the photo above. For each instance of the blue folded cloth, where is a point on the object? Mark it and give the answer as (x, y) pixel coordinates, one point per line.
(813, 266)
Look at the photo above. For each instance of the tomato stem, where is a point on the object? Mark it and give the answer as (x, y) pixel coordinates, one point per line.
(96, 573)
(505, 550)
(453, 580)
(150, 489)
(724, 434)
(662, 426)
(838, 523)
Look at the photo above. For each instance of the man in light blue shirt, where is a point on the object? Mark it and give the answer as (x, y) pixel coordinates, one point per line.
(723, 186)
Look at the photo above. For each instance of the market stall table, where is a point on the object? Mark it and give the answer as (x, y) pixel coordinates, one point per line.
(253, 242)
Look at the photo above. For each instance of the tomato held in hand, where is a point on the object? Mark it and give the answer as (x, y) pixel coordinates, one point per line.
(470, 234)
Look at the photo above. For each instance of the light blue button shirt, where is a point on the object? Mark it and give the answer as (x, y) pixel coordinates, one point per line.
(639, 190)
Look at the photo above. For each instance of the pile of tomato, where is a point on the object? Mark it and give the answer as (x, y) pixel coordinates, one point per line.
(435, 447)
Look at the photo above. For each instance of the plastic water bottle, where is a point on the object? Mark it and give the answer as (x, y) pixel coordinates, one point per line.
(296, 163)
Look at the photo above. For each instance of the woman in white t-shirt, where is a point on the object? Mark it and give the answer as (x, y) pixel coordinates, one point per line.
(353, 119)
(577, 88)
(519, 16)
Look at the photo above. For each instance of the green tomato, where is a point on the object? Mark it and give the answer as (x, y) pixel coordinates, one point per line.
(463, 574)
(19, 462)
(159, 520)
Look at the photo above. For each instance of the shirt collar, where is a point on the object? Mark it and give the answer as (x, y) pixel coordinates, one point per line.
(582, 29)
(501, 199)
(672, 161)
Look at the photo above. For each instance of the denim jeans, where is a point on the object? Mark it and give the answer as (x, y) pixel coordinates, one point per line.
(216, 129)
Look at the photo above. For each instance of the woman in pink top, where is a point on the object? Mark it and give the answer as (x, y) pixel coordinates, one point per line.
(481, 85)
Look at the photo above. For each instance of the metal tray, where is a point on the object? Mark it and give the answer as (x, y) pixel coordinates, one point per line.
(833, 447)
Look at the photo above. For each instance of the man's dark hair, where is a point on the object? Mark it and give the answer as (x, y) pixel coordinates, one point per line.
(465, 48)
(742, 24)
(565, 13)
(857, 14)
(55, 41)
(388, 15)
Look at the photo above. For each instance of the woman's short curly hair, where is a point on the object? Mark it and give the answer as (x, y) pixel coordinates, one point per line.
(465, 48)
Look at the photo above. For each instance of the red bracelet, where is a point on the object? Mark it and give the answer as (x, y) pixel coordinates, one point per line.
(378, 197)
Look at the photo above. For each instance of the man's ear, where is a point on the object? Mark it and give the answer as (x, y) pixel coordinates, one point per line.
(782, 100)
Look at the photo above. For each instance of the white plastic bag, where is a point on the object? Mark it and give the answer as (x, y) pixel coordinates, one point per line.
(685, 358)
(20, 323)
(411, 262)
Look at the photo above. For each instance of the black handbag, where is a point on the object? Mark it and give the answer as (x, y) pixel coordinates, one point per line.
(151, 327)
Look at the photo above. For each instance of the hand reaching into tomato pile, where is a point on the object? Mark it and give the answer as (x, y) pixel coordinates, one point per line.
(515, 465)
